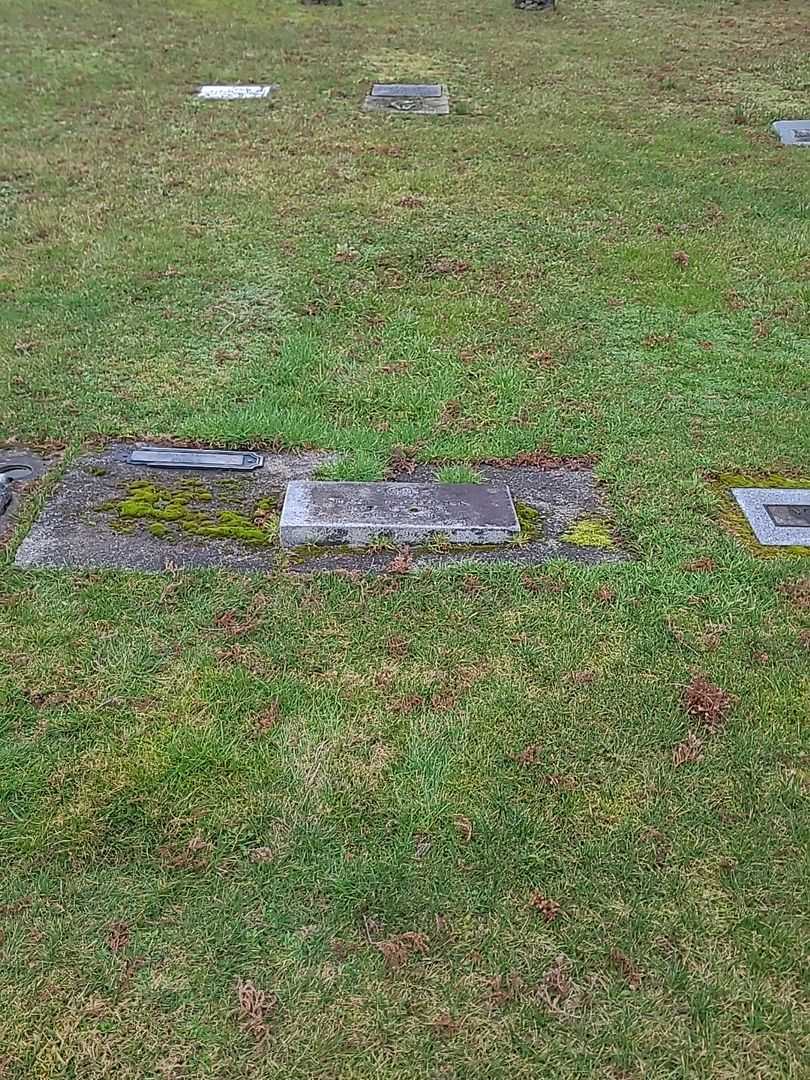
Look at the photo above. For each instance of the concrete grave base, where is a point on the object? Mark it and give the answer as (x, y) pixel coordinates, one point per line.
(81, 526)
(408, 99)
(75, 531)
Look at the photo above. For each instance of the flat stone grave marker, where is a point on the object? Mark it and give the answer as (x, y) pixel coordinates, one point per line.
(779, 517)
(168, 457)
(355, 514)
(233, 92)
(421, 99)
(793, 132)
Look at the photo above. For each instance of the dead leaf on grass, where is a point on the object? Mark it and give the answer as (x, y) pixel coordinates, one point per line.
(402, 562)
(681, 258)
(267, 719)
(445, 1025)
(706, 702)
(549, 909)
(797, 593)
(689, 751)
(529, 755)
(261, 855)
(700, 566)
(396, 951)
(118, 937)
(626, 967)
(605, 595)
(411, 202)
(556, 984)
(254, 1007)
(464, 827)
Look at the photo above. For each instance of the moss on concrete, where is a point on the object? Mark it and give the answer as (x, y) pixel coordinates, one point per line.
(172, 510)
(590, 532)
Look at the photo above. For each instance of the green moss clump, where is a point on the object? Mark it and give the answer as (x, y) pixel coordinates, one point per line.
(164, 506)
(529, 521)
(590, 532)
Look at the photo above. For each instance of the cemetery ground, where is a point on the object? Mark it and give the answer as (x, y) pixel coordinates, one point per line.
(470, 822)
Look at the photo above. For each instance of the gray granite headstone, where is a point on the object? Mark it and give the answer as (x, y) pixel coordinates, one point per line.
(776, 515)
(323, 512)
(793, 132)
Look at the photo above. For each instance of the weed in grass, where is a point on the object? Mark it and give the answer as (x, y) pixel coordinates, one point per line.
(458, 474)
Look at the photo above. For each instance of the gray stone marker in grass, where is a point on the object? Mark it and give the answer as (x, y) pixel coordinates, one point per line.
(779, 517)
(793, 132)
(415, 99)
(353, 514)
(233, 92)
(535, 5)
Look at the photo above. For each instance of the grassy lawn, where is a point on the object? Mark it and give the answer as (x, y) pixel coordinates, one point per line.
(467, 823)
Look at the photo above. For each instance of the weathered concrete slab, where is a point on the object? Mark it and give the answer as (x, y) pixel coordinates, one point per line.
(335, 513)
(414, 99)
(234, 92)
(793, 132)
(768, 511)
(107, 512)
(82, 525)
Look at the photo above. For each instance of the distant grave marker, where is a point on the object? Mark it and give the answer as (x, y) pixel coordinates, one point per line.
(419, 99)
(354, 514)
(779, 517)
(233, 92)
(535, 5)
(793, 132)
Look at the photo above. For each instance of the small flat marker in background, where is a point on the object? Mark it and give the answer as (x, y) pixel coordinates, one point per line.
(419, 90)
(418, 99)
(779, 517)
(352, 514)
(167, 457)
(793, 132)
(233, 92)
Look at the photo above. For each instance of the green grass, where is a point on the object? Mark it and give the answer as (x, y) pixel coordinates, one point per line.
(207, 778)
